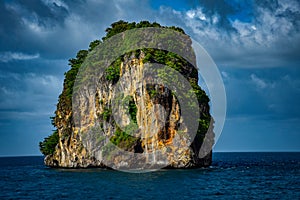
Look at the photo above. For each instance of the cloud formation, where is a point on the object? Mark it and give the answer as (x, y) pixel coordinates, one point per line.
(8, 56)
(261, 34)
(258, 82)
(268, 37)
(57, 29)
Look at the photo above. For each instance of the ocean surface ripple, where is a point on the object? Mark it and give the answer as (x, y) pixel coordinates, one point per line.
(232, 176)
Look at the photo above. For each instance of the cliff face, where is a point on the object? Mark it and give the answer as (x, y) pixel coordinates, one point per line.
(143, 128)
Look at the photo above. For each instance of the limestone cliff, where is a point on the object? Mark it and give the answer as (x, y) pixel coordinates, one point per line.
(151, 125)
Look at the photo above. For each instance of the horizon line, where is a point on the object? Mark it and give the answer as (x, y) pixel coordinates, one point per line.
(246, 151)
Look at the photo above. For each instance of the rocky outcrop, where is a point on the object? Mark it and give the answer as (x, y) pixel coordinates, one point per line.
(143, 128)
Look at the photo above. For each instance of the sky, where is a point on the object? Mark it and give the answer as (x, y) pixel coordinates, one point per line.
(255, 44)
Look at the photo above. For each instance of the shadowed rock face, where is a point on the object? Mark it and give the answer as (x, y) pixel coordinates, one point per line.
(142, 128)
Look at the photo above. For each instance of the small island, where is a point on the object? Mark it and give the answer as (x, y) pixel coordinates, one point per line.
(67, 148)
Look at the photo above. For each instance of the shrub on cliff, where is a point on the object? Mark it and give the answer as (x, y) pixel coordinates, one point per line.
(47, 147)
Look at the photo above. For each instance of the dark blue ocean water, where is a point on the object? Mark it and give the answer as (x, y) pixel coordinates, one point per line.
(232, 176)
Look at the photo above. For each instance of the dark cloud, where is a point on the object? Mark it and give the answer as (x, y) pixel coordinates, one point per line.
(267, 36)
(48, 13)
(54, 29)
(57, 29)
(34, 27)
(220, 7)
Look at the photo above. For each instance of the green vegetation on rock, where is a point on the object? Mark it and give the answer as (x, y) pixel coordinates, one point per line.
(113, 71)
(106, 114)
(132, 109)
(122, 139)
(47, 147)
(121, 26)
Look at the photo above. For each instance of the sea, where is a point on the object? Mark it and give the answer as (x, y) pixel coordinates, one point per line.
(231, 176)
